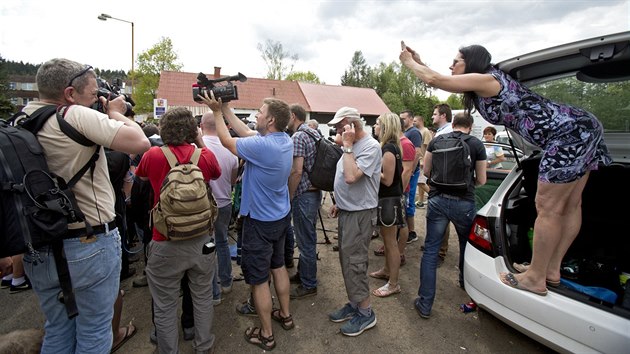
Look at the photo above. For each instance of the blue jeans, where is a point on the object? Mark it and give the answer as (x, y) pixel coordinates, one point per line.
(223, 250)
(413, 186)
(442, 209)
(304, 208)
(95, 274)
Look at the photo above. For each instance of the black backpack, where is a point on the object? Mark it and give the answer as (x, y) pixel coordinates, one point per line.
(451, 163)
(37, 205)
(327, 154)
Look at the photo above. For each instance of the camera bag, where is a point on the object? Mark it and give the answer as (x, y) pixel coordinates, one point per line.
(186, 208)
(36, 204)
(327, 154)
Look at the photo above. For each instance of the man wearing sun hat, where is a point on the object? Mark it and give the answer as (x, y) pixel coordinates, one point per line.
(356, 195)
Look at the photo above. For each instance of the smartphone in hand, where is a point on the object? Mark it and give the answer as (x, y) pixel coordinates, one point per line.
(403, 46)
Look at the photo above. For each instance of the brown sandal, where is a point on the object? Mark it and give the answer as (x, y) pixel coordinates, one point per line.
(285, 322)
(254, 336)
(380, 274)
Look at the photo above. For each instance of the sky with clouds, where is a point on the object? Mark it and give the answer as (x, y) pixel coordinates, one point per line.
(324, 34)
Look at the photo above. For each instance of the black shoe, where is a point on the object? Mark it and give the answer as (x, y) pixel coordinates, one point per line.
(5, 284)
(131, 272)
(300, 292)
(22, 287)
(295, 279)
(413, 237)
(246, 309)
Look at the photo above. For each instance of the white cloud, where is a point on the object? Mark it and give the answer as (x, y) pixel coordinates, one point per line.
(324, 34)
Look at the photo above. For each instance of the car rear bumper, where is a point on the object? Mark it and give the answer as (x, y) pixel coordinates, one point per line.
(555, 320)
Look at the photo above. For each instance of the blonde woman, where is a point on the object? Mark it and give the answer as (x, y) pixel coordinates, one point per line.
(390, 210)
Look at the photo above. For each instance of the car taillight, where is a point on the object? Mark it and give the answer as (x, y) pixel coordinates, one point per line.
(480, 235)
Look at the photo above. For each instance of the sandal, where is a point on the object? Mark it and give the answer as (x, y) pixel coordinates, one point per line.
(130, 331)
(285, 322)
(380, 274)
(380, 251)
(254, 336)
(386, 290)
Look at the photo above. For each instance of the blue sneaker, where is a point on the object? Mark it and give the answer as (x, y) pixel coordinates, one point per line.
(343, 314)
(358, 324)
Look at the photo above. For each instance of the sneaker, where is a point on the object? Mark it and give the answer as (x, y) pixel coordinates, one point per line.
(226, 289)
(5, 284)
(246, 309)
(420, 205)
(22, 287)
(413, 237)
(358, 324)
(140, 282)
(343, 314)
(295, 279)
(416, 305)
(301, 292)
(189, 333)
(216, 302)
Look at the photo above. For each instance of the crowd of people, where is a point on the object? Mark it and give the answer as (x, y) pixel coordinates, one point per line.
(376, 182)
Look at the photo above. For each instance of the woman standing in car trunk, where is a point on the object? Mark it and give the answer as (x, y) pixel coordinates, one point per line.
(571, 140)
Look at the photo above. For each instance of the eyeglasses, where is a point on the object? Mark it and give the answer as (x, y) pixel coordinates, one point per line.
(81, 73)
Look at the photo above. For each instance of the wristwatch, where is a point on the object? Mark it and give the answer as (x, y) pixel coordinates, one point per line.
(347, 150)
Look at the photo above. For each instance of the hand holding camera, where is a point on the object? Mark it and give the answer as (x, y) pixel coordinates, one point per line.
(225, 93)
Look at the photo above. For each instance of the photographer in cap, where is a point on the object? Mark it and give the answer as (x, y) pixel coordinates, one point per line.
(94, 262)
(356, 187)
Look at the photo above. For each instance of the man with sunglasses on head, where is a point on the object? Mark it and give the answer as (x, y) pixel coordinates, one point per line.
(93, 261)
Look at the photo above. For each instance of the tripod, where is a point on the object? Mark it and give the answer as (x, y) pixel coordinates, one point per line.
(321, 220)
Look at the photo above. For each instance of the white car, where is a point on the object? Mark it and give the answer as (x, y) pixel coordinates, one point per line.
(590, 310)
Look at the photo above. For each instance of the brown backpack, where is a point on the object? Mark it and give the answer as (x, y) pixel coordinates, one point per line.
(186, 208)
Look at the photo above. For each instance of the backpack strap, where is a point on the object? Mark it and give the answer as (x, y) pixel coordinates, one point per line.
(172, 159)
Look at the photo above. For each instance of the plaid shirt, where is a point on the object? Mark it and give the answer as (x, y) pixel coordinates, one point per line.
(304, 146)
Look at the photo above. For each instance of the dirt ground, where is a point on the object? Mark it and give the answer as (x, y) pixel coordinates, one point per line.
(399, 328)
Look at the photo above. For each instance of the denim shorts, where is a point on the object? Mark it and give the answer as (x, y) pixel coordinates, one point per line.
(263, 248)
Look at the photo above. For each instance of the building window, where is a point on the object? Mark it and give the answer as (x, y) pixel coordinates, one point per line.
(28, 86)
(12, 85)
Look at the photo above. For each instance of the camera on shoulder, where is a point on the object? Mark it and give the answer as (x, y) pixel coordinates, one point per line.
(226, 93)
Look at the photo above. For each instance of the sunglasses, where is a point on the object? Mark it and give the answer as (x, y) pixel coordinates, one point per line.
(81, 73)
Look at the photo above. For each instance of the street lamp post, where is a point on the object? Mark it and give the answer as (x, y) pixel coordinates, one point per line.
(105, 17)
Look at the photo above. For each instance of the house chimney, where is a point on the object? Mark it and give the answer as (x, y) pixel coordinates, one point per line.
(217, 71)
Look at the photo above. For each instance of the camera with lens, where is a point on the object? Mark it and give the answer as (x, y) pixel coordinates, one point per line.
(226, 93)
(332, 132)
(111, 92)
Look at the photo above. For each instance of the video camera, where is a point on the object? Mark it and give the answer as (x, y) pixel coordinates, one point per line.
(111, 92)
(226, 93)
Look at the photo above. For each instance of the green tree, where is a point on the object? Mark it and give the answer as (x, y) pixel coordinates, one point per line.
(146, 77)
(358, 74)
(455, 101)
(276, 59)
(6, 107)
(303, 76)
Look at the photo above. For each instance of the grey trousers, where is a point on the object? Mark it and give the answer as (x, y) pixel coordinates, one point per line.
(168, 261)
(355, 232)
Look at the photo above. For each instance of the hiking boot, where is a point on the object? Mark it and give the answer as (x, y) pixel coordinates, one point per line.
(140, 282)
(300, 292)
(22, 287)
(295, 279)
(246, 309)
(189, 333)
(413, 237)
(358, 324)
(343, 314)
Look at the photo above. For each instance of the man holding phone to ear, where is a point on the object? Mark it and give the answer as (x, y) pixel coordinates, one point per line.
(356, 186)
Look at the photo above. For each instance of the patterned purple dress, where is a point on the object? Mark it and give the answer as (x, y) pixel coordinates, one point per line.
(571, 138)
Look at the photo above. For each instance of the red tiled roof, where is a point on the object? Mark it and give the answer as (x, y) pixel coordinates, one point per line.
(328, 99)
(176, 87)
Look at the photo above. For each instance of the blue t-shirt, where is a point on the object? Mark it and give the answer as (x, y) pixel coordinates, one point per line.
(268, 161)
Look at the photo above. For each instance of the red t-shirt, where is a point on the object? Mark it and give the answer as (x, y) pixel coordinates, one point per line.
(409, 153)
(155, 167)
